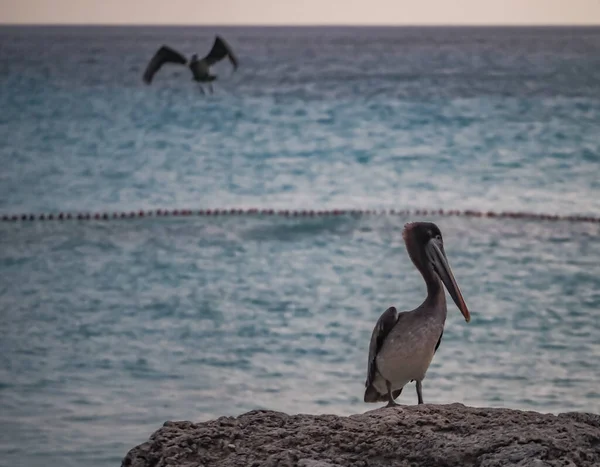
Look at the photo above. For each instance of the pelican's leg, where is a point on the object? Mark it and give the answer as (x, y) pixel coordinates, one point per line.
(210, 86)
(391, 402)
(201, 89)
(420, 391)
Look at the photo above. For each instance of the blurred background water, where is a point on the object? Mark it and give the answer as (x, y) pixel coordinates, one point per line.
(109, 329)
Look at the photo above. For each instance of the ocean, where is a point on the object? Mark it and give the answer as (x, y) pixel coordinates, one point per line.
(110, 328)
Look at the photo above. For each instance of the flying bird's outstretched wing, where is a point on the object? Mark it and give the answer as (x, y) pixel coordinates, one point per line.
(219, 51)
(163, 55)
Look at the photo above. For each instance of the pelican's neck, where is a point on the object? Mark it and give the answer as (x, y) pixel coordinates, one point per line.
(436, 298)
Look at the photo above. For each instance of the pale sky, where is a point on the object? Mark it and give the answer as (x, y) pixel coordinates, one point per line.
(290, 12)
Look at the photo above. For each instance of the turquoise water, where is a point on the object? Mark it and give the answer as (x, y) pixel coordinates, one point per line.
(109, 329)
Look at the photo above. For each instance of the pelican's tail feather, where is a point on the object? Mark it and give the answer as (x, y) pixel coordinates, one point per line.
(373, 395)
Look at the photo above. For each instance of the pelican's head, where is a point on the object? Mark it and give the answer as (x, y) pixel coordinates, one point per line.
(426, 250)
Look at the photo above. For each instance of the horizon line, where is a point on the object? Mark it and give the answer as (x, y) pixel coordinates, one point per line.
(311, 25)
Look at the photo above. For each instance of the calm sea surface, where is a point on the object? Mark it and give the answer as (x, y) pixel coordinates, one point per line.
(109, 329)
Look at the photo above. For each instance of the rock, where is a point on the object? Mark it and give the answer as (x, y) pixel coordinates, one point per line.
(411, 436)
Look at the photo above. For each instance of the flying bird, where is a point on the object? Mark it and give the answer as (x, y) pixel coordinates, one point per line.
(403, 344)
(200, 67)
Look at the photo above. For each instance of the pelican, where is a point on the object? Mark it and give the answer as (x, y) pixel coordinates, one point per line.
(403, 344)
(200, 67)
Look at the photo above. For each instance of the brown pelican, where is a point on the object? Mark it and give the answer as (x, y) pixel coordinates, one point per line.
(200, 67)
(403, 344)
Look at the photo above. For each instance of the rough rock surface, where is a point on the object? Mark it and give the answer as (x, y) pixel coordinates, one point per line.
(426, 435)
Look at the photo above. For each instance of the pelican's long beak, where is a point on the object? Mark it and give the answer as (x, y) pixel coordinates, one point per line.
(442, 268)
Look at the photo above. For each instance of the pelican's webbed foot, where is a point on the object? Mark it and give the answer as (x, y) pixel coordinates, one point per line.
(391, 402)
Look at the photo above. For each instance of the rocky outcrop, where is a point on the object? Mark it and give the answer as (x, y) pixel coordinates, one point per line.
(426, 435)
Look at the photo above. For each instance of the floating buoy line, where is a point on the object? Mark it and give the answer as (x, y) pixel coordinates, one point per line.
(105, 215)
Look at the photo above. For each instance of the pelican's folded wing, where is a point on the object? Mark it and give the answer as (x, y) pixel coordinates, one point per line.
(219, 51)
(163, 55)
(384, 325)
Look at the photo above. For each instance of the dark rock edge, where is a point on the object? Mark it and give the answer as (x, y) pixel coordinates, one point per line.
(425, 435)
